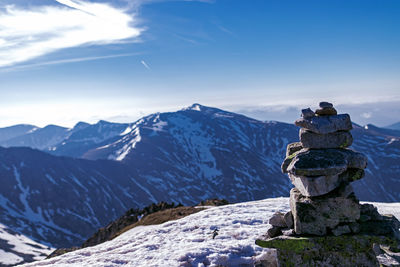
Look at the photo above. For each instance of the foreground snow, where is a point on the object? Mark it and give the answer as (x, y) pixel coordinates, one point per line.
(188, 241)
(15, 247)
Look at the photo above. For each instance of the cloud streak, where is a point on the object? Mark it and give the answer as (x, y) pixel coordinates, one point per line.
(145, 64)
(65, 61)
(26, 34)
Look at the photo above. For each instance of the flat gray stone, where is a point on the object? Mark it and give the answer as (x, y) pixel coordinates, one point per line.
(326, 124)
(315, 186)
(355, 159)
(314, 216)
(341, 139)
(288, 219)
(307, 113)
(351, 175)
(325, 105)
(278, 220)
(326, 162)
(326, 112)
(320, 185)
(274, 231)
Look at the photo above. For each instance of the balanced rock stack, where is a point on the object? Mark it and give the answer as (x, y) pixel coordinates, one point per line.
(323, 203)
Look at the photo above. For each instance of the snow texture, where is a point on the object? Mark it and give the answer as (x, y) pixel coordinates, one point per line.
(17, 246)
(189, 242)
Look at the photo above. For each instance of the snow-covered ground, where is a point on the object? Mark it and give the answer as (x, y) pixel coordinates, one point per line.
(188, 241)
(15, 247)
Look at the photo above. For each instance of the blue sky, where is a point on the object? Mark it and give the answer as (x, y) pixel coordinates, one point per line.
(67, 61)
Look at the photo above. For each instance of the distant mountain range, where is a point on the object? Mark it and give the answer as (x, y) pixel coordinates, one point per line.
(86, 176)
(395, 126)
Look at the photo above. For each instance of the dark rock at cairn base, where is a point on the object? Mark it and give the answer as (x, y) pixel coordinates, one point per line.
(289, 219)
(345, 250)
(274, 231)
(313, 216)
(325, 105)
(341, 230)
(326, 124)
(278, 220)
(326, 111)
(307, 113)
(369, 213)
(341, 139)
(388, 225)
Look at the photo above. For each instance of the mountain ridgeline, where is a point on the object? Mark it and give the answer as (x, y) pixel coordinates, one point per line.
(86, 176)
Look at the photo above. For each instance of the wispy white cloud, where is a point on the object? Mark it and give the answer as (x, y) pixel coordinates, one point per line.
(64, 61)
(145, 64)
(26, 34)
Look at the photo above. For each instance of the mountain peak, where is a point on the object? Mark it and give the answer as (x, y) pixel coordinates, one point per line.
(201, 108)
(196, 107)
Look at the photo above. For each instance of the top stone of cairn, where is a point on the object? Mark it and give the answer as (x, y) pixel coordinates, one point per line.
(325, 120)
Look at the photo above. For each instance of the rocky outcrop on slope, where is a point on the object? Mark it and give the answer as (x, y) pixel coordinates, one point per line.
(323, 203)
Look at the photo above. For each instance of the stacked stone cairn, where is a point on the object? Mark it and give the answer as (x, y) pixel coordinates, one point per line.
(322, 168)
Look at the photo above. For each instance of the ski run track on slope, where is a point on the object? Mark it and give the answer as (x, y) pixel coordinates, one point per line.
(188, 241)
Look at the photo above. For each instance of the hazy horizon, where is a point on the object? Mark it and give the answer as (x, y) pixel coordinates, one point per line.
(361, 114)
(64, 61)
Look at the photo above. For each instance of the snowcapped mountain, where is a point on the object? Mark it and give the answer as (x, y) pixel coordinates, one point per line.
(58, 140)
(205, 152)
(39, 138)
(240, 154)
(83, 137)
(382, 179)
(61, 201)
(15, 131)
(16, 248)
(188, 241)
(186, 156)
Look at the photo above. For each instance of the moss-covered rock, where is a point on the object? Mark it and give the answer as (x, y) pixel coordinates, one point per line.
(347, 250)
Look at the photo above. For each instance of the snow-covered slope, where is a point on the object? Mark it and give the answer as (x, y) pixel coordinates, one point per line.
(83, 137)
(189, 242)
(59, 140)
(205, 152)
(7, 133)
(39, 138)
(62, 201)
(16, 248)
(239, 154)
